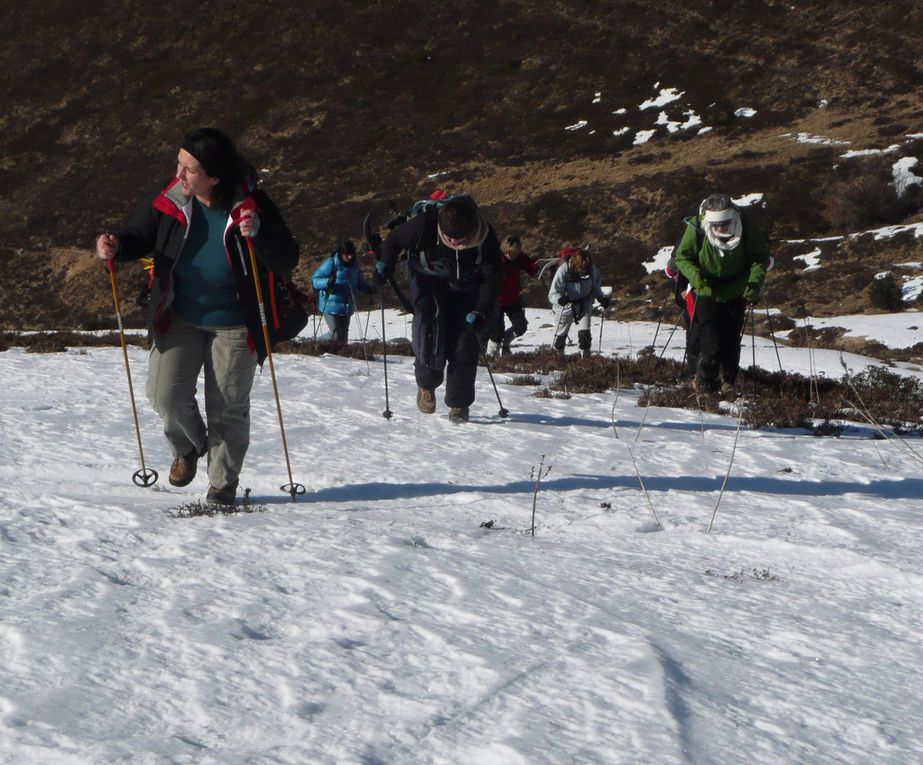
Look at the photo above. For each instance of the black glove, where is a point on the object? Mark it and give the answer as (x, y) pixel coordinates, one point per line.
(370, 290)
(331, 281)
(339, 289)
(563, 300)
(605, 301)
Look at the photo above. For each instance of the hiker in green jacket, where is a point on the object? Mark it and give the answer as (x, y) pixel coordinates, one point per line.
(725, 257)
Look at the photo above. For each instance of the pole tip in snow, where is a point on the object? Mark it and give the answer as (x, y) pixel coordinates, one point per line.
(145, 477)
(294, 489)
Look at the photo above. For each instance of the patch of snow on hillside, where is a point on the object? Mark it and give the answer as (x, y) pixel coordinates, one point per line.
(869, 152)
(815, 139)
(811, 260)
(667, 96)
(660, 260)
(904, 177)
(692, 120)
(911, 289)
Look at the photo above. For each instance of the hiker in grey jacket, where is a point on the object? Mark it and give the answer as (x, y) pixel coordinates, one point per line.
(576, 284)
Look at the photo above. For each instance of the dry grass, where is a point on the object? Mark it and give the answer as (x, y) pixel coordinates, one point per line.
(772, 399)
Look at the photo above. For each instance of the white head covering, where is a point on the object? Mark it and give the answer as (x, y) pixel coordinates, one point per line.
(731, 238)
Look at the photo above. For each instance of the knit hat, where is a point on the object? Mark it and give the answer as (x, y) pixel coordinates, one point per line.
(458, 218)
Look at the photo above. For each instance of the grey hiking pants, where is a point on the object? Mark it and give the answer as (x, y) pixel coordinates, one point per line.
(230, 365)
(573, 313)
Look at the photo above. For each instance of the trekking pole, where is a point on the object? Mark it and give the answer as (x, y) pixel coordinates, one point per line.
(291, 487)
(314, 314)
(384, 351)
(144, 476)
(772, 333)
(743, 327)
(659, 320)
(503, 411)
(602, 319)
(753, 334)
(672, 332)
(352, 296)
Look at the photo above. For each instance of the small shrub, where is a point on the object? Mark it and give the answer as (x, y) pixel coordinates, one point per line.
(885, 293)
(863, 196)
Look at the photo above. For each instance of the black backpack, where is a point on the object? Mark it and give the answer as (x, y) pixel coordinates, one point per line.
(679, 282)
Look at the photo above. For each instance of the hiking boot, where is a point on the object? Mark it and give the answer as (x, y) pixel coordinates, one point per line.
(458, 414)
(225, 496)
(426, 400)
(183, 469)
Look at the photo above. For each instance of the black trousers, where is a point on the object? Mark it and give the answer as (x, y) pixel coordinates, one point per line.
(713, 340)
(518, 323)
(444, 347)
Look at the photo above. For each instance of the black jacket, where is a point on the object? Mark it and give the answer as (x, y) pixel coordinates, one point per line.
(472, 268)
(159, 229)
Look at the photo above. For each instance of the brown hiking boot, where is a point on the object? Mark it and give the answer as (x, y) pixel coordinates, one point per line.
(458, 414)
(426, 400)
(183, 469)
(225, 496)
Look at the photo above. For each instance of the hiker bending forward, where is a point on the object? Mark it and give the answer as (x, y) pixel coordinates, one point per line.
(725, 257)
(204, 312)
(454, 262)
(575, 285)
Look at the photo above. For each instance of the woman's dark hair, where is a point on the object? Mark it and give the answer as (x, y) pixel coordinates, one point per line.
(220, 159)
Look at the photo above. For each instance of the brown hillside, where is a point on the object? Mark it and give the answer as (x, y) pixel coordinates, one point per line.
(347, 105)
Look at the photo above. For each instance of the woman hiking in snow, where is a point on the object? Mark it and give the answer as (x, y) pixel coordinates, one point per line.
(204, 311)
(575, 285)
(337, 280)
(725, 257)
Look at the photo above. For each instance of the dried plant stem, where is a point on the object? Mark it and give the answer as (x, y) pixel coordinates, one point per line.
(740, 417)
(537, 476)
(618, 389)
(877, 425)
(644, 489)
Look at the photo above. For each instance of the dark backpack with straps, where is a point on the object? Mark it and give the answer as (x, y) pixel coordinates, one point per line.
(679, 282)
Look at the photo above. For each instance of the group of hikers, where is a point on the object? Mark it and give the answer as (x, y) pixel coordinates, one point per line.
(205, 309)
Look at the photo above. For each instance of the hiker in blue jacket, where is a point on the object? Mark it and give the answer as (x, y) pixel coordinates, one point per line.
(337, 280)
